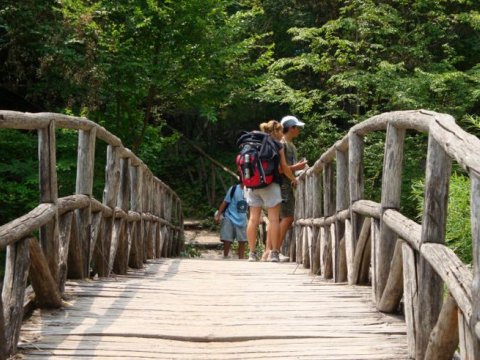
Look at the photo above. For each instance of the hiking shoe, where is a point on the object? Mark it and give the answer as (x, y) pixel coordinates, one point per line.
(274, 256)
(252, 257)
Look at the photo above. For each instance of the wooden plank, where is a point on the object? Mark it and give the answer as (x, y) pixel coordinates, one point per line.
(430, 285)
(319, 320)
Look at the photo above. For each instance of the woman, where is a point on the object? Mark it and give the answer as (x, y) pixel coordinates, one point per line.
(270, 197)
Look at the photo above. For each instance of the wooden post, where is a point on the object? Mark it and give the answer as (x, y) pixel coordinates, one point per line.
(328, 210)
(307, 213)
(391, 186)
(410, 295)
(299, 214)
(374, 239)
(135, 255)
(475, 221)
(430, 285)
(112, 176)
(65, 232)
(3, 341)
(84, 186)
(355, 181)
(342, 203)
(46, 290)
(49, 233)
(316, 213)
(14, 284)
(119, 244)
(76, 264)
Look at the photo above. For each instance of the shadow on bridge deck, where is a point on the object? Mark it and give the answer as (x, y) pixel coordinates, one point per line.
(205, 309)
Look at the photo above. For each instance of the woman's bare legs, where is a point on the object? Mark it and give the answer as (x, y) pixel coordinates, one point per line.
(253, 222)
(274, 226)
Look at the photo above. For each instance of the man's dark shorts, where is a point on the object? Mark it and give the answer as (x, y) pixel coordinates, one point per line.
(288, 200)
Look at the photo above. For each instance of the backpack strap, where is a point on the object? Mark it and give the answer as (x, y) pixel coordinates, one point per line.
(231, 193)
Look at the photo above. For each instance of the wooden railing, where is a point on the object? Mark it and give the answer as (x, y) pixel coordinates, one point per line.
(341, 235)
(139, 218)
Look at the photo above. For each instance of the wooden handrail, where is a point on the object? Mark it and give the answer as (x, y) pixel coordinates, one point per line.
(427, 261)
(139, 218)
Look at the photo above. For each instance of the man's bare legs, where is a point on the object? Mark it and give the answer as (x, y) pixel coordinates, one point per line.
(285, 224)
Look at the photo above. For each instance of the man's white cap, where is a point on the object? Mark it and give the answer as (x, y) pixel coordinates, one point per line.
(289, 121)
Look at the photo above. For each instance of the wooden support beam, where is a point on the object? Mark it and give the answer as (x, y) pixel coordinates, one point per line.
(361, 254)
(444, 337)
(47, 159)
(46, 289)
(392, 295)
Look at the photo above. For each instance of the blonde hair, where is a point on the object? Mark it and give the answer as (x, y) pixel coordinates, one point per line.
(271, 126)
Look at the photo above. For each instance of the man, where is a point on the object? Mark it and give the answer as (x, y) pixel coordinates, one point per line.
(291, 129)
(234, 224)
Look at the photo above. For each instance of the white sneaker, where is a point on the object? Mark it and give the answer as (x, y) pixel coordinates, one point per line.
(283, 258)
(252, 257)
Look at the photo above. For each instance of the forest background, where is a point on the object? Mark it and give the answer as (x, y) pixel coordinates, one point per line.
(163, 75)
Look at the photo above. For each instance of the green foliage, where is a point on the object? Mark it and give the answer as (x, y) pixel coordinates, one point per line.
(19, 186)
(458, 234)
(190, 251)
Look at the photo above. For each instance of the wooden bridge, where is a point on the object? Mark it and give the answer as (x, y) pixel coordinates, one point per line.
(149, 304)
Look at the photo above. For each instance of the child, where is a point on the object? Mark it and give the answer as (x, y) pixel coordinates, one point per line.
(234, 223)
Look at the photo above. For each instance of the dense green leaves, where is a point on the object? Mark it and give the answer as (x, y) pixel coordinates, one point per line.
(210, 68)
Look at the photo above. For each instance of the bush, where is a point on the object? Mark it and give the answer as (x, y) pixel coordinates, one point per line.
(459, 234)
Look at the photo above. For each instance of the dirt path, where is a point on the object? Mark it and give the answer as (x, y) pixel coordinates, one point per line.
(208, 241)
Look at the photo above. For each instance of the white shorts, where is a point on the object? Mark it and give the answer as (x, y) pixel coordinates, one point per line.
(268, 197)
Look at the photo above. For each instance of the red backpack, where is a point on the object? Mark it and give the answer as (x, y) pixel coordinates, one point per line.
(258, 159)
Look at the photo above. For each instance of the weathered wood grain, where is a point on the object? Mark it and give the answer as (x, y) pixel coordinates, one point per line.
(391, 187)
(430, 286)
(410, 296)
(46, 289)
(188, 309)
(14, 284)
(444, 337)
(26, 224)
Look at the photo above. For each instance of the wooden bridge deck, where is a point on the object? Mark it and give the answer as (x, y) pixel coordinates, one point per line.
(208, 309)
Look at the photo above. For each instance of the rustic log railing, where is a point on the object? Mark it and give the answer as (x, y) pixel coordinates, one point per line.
(139, 218)
(353, 239)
